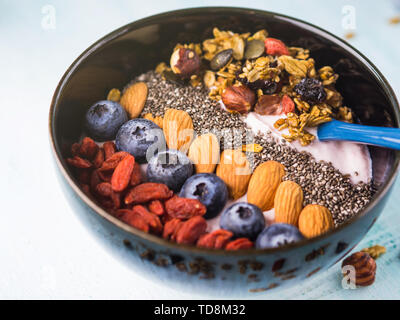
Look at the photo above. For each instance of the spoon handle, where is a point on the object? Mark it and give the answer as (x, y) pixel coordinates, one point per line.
(379, 136)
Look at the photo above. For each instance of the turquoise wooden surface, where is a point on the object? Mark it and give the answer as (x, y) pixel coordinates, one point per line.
(37, 50)
(327, 285)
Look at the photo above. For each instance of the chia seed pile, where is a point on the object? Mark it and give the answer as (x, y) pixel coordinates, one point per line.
(321, 182)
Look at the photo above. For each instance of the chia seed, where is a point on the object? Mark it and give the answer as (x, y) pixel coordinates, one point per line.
(321, 182)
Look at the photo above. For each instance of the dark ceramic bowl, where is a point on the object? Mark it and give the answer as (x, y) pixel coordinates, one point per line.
(114, 60)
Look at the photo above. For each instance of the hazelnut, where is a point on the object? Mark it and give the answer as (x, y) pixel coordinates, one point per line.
(238, 99)
(364, 267)
(185, 62)
(269, 104)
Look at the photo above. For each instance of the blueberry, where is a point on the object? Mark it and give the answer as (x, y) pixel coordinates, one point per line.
(209, 189)
(243, 220)
(142, 138)
(104, 118)
(278, 234)
(170, 167)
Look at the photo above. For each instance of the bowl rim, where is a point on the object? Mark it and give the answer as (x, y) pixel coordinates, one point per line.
(218, 9)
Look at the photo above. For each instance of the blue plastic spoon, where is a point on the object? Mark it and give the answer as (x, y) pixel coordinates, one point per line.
(379, 136)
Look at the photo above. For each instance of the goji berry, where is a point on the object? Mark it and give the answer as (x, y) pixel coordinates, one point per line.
(79, 162)
(191, 230)
(109, 149)
(119, 213)
(94, 179)
(112, 162)
(88, 148)
(136, 177)
(152, 220)
(86, 189)
(116, 199)
(134, 220)
(122, 173)
(215, 240)
(99, 158)
(287, 104)
(275, 47)
(146, 192)
(184, 208)
(105, 202)
(170, 229)
(84, 176)
(157, 207)
(75, 149)
(241, 243)
(105, 175)
(104, 189)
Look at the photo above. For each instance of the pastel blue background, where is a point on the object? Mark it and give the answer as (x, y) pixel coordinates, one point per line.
(44, 251)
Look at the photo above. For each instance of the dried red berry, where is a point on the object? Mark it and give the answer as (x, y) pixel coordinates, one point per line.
(148, 191)
(122, 173)
(79, 162)
(136, 177)
(86, 189)
(88, 148)
(105, 202)
(94, 180)
(217, 239)
(171, 228)
(104, 189)
(75, 149)
(157, 207)
(184, 208)
(238, 244)
(105, 175)
(99, 158)
(275, 47)
(112, 162)
(287, 104)
(152, 220)
(191, 230)
(109, 149)
(119, 213)
(84, 176)
(134, 220)
(116, 199)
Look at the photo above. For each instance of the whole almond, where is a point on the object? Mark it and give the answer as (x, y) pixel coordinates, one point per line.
(204, 153)
(134, 98)
(263, 184)
(288, 202)
(234, 170)
(178, 129)
(315, 220)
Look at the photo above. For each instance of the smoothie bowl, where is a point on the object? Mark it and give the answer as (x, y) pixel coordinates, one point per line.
(252, 201)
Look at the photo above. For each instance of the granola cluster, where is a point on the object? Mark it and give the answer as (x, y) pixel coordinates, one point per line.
(268, 67)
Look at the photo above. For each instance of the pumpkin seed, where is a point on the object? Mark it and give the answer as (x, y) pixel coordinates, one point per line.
(254, 49)
(221, 59)
(172, 77)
